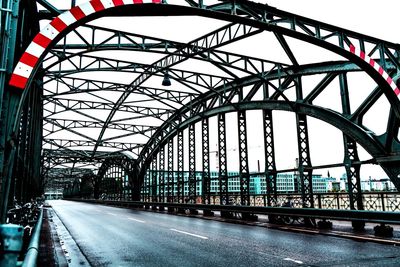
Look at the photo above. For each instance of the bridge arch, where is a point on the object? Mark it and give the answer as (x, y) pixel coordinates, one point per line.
(272, 20)
(30, 60)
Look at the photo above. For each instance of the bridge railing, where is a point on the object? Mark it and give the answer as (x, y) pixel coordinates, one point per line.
(373, 201)
(331, 214)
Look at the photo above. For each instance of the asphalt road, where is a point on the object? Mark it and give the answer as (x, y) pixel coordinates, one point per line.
(110, 236)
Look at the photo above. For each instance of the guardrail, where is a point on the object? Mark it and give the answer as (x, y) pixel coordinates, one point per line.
(33, 248)
(12, 239)
(332, 214)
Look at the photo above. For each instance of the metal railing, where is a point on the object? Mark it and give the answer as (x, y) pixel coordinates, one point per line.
(332, 214)
(33, 248)
(373, 201)
(12, 237)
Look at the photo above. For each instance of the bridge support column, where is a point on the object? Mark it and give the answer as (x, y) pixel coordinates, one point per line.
(180, 181)
(192, 167)
(351, 155)
(353, 179)
(161, 177)
(222, 164)
(269, 150)
(305, 171)
(154, 179)
(243, 160)
(170, 183)
(206, 183)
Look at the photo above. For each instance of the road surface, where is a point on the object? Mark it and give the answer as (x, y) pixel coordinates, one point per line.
(109, 236)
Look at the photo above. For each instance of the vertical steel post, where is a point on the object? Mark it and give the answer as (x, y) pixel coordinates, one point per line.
(305, 171)
(161, 177)
(269, 151)
(8, 102)
(192, 164)
(170, 184)
(243, 159)
(154, 181)
(206, 183)
(223, 174)
(180, 180)
(350, 152)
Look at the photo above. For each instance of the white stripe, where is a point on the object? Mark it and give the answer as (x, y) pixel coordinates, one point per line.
(49, 31)
(393, 85)
(385, 75)
(136, 220)
(186, 233)
(147, 1)
(67, 18)
(35, 50)
(127, 2)
(296, 261)
(87, 8)
(23, 70)
(107, 3)
(376, 66)
(367, 58)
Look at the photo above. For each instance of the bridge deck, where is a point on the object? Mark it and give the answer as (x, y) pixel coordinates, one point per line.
(110, 236)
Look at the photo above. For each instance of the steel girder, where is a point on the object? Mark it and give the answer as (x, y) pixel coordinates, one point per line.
(266, 17)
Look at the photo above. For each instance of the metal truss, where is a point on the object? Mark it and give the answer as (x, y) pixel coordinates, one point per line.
(243, 159)
(161, 175)
(269, 152)
(170, 183)
(222, 161)
(204, 95)
(192, 164)
(180, 179)
(206, 183)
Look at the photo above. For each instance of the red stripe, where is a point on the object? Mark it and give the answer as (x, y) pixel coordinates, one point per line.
(397, 91)
(77, 13)
(18, 81)
(371, 62)
(28, 59)
(58, 24)
(380, 70)
(389, 80)
(41, 40)
(97, 5)
(118, 2)
(362, 55)
(156, 1)
(352, 49)
(137, 1)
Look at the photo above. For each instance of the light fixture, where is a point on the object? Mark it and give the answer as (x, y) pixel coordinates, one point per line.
(166, 81)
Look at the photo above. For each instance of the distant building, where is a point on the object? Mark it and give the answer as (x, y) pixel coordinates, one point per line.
(370, 185)
(285, 183)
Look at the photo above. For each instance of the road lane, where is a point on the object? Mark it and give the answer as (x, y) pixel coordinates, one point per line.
(110, 236)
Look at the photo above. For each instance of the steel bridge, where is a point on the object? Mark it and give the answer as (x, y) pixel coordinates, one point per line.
(99, 99)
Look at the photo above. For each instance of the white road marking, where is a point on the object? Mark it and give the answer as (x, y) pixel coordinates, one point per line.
(112, 213)
(296, 261)
(186, 233)
(136, 220)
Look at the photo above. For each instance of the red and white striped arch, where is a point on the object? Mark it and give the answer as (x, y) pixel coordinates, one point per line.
(35, 50)
(377, 67)
(30, 58)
